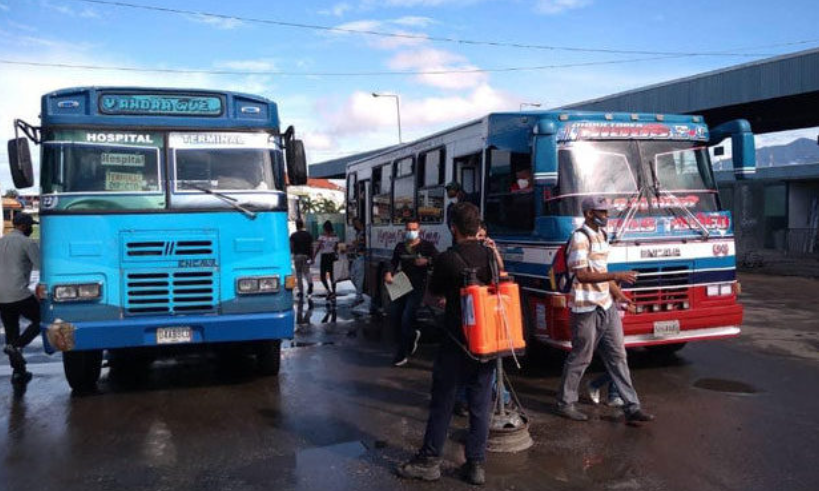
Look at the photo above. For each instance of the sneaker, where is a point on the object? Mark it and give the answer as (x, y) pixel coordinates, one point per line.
(572, 413)
(415, 342)
(473, 473)
(616, 401)
(16, 360)
(23, 377)
(400, 362)
(593, 393)
(423, 468)
(638, 417)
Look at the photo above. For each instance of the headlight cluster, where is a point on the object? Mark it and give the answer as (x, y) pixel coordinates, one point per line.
(720, 290)
(77, 292)
(257, 284)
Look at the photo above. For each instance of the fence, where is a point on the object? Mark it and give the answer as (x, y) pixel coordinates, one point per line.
(802, 241)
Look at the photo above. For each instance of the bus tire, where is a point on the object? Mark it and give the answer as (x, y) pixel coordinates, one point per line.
(665, 350)
(82, 369)
(268, 357)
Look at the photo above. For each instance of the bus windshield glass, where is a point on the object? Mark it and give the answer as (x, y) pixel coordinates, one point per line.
(235, 169)
(672, 174)
(89, 168)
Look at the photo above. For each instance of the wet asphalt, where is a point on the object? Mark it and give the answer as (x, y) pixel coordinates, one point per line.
(739, 414)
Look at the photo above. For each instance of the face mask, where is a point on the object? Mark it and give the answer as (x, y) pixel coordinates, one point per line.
(523, 183)
(600, 222)
(411, 235)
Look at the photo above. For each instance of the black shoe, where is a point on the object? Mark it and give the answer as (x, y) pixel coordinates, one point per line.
(19, 378)
(16, 360)
(473, 473)
(423, 468)
(572, 413)
(638, 417)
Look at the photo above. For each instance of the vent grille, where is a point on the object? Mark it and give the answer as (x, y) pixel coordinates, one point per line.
(665, 286)
(174, 248)
(170, 292)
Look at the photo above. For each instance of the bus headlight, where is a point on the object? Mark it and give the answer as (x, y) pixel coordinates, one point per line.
(77, 292)
(257, 284)
(719, 290)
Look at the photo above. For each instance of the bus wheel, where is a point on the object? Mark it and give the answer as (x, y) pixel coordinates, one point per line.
(268, 357)
(82, 369)
(664, 350)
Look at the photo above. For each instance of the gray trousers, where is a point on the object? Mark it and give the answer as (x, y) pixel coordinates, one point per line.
(599, 330)
(303, 273)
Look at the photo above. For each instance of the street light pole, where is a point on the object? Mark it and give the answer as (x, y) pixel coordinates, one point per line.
(533, 104)
(397, 110)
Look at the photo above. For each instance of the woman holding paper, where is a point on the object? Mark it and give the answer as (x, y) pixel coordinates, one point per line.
(412, 258)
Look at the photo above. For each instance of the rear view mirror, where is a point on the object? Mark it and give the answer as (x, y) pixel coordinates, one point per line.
(295, 158)
(20, 163)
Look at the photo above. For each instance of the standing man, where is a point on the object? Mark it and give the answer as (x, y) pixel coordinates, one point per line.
(456, 193)
(301, 246)
(359, 248)
(413, 257)
(454, 366)
(594, 318)
(18, 256)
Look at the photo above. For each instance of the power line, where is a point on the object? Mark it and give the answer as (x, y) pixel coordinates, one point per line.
(331, 74)
(442, 39)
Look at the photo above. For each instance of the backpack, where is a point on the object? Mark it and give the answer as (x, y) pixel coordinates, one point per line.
(560, 276)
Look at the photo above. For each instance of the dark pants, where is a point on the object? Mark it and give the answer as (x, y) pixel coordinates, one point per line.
(10, 315)
(403, 311)
(325, 268)
(453, 367)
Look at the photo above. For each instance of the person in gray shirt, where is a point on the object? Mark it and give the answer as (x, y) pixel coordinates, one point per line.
(18, 256)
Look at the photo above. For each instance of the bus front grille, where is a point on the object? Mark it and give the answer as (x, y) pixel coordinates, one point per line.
(170, 292)
(661, 288)
(154, 249)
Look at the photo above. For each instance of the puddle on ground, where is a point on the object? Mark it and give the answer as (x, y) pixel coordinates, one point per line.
(721, 385)
(305, 344)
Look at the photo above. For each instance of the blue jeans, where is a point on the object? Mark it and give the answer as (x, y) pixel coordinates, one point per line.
(402, 316)
(460, 395)
(605, 379)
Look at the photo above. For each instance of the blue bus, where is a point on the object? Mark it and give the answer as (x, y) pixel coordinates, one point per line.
(529, 171)
(163, 223)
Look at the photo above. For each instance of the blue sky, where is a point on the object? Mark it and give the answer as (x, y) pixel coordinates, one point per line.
(336, 115)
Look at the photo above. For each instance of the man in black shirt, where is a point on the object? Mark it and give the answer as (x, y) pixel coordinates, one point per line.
(454, 365)
(301, 246)
(413, 257)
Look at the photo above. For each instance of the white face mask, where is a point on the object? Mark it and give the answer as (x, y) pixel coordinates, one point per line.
(411, 235)
(523, 183)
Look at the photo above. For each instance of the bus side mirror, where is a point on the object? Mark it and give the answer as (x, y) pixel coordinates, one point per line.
(20, 163)
(743, 150)
(296, 162)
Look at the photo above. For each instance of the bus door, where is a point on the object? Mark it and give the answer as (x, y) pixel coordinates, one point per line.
(467, 172)
(364, 210)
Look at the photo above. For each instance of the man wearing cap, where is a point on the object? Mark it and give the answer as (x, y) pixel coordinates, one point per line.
(18, 256)
(594, 319)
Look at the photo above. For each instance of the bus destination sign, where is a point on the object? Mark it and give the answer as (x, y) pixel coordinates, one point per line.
(160, 105)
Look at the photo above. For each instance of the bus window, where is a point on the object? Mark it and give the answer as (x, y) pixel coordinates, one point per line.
(404, 190)
(352, 199)
(382, 177)
(431, 183)
(509, 206)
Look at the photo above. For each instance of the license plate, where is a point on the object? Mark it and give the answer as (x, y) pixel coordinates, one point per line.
(666, 328)
(173, 335)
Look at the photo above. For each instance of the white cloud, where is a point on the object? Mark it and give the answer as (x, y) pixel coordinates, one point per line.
(414, 21)
(4, 7)
(216, 22)
(552, 7)
(338, 10)
(85, 12)
(260, 65)
(385, 42)
(439, 60)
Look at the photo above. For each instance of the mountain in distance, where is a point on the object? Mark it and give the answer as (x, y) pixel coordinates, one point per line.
(799, 151)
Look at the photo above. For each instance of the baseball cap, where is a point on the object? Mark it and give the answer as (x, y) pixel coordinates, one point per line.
(23, 219)
(594, 203)
(453, 185)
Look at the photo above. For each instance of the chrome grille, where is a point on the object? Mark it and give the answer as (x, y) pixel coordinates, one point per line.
(666, 286)
(170, 292)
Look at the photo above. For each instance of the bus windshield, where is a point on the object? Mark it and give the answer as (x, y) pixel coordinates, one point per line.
(89, 168)
(235, 169)
(674, 173)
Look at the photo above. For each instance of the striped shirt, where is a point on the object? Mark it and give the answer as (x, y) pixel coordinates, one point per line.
(588, 296)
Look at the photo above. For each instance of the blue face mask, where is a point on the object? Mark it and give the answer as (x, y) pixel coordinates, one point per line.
(411, 235)
(600, 221)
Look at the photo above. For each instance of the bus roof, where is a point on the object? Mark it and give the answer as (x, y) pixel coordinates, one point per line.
(149, 107)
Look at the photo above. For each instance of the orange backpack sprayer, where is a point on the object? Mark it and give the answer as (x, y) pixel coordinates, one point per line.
(491, 315)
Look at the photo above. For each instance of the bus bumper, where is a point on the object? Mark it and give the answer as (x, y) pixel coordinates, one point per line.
(142, 332)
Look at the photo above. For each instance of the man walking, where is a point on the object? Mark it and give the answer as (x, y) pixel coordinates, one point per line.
(454, 366)
(413, 257)
(594, 319)
(18, 256)
(301, 246)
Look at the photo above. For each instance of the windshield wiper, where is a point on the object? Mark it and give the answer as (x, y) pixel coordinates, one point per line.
(677, 204)
(233, 202)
